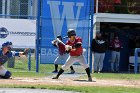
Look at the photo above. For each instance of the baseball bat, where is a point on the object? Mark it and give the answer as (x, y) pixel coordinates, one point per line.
(60, 41)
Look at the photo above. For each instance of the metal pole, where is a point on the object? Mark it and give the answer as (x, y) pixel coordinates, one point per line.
(37, 35)
(29, 60)
(91, 31)
(97, 5)
(136, 60)
(31, 8)
(8, 8)
(3, 7)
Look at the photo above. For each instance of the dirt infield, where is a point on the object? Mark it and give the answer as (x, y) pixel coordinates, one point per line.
(70, 81)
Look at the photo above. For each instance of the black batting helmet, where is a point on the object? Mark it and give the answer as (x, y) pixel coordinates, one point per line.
(71, 32)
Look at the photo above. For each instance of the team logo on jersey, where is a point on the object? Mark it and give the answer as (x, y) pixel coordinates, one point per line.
(3, 32)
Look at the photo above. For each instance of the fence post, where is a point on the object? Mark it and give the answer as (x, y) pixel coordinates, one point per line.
(29, 60)
(38, 34)
(91, 30)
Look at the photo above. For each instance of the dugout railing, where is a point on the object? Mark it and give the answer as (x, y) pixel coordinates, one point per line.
(136, 64)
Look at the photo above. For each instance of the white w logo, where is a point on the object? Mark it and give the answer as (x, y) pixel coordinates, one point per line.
(68, 13)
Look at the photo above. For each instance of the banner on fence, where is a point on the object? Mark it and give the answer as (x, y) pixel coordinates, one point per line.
(57, 17)
(21, 32)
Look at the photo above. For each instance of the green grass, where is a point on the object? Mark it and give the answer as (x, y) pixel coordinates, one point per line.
(82, 89)
(29, 74)
(21, 70)
(121, 76)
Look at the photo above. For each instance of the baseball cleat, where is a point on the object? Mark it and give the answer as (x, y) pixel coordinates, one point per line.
(89, 79)
(55, 77)
(55, 71)
(72, 72)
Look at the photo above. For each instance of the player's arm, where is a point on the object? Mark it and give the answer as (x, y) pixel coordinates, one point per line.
(25, 52)
(93, 45)
(17, 53)
(68, 47)
(77, 45)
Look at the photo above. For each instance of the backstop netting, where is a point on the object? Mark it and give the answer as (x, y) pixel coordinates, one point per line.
(57, 17)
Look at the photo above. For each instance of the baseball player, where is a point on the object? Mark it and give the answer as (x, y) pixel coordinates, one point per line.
(62, 54)
(116, 46)
(5, 54)
(74, 46)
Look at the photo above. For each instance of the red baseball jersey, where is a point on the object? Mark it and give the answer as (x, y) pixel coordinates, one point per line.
(79, 50)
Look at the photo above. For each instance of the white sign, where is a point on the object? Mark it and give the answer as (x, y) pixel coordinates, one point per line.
(21, 32)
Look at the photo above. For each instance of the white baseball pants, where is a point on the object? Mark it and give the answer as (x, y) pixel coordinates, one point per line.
(72, 59)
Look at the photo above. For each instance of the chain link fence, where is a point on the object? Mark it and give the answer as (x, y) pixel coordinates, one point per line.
(18, 9)
(18, 25)
(18, 17)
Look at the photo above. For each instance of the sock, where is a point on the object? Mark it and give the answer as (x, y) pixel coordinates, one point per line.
(60, 72)
(71, 67)
(56, 66)
(88, 71)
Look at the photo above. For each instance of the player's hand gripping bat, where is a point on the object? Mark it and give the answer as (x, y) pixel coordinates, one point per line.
(67, 47)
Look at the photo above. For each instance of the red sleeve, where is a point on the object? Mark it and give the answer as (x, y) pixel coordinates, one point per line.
(79, 40)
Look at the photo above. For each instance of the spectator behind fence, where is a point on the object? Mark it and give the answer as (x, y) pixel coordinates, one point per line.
(99, 47)
(117, 6)
(115, 46)
(132, 45)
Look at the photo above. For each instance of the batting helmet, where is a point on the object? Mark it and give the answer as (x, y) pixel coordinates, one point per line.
(60, 37)
(71, 32)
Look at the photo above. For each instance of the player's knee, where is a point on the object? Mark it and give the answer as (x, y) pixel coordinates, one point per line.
(64, 67)
(7, 75)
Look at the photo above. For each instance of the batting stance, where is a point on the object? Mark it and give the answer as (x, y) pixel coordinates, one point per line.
(74, 46)
(5, 54)
(62, 56)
